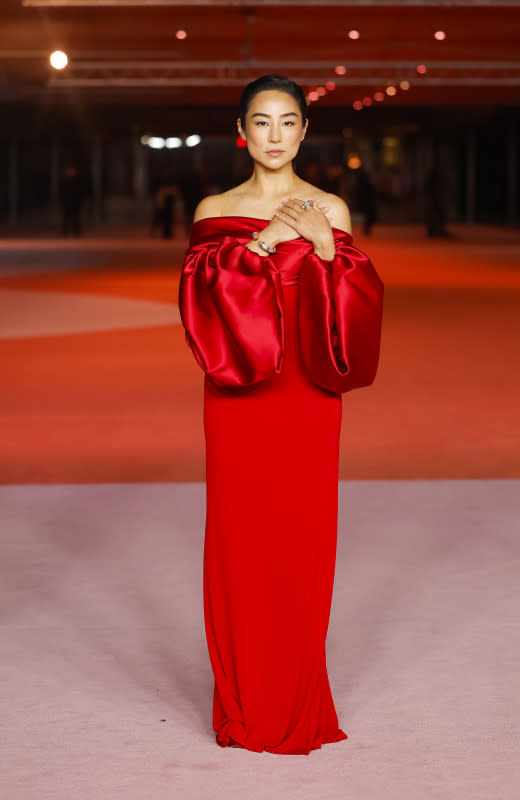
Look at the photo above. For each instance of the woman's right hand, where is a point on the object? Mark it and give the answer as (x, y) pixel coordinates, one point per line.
(277, 231)
(273, 234)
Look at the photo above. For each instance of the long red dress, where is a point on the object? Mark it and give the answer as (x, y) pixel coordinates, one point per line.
(279, 339)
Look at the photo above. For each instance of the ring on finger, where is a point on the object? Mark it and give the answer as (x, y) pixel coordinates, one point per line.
(307, 204)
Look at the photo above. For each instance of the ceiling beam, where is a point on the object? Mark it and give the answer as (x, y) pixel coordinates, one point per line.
(159, 81)
(279, 3)
(254, 64)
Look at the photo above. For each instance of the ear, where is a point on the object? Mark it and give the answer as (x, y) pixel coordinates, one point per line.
(241, 132)
(304, 131)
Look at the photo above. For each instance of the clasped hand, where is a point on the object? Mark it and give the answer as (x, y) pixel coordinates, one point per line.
(291, 220)
(312, 223)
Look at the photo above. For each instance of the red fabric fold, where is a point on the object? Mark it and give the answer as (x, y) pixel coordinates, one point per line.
(231, 307)
(340, 310)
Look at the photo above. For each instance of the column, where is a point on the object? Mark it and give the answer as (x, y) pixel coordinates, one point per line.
(97, 179)
(512, 175)
(471, 183)
(13, 183)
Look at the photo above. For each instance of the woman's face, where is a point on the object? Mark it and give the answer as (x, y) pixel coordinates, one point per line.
(273, 129)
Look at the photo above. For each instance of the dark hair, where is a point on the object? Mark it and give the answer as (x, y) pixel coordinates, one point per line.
(270, 82)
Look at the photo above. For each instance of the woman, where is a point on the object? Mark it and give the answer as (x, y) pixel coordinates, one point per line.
(283, 314)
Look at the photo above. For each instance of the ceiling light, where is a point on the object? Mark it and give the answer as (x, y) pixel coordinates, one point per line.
(340, 69)
(391, 90)
(173, 141)
(156, 142)
(439, 35)
(58, 59)
(181, 34)
(330, 85)
(193, 140)
(367, 101)
(321, 91)
(405, 85)
(421, 69)
(357, 104)
(353, 34)
(313, 96)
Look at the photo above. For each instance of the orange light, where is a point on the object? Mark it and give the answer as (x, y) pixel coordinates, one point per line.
(391, 90)
(405, 85)
(379, 96)
(353, 34)
(422, 68)
(181, 34)
(367, 101)
(313, 96)
(439, 35)
(340, 69)
(357, 104)
(330, 85)
(240, 142)
(353, 161)
(321, 91)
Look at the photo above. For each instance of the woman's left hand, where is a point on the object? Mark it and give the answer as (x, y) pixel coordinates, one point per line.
(312, 223)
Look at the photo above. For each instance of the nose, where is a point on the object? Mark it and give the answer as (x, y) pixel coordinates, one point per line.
(275, 133)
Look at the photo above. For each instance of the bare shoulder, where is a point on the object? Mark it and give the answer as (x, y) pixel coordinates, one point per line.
(220, 205)
(208, 207)
(338, 211)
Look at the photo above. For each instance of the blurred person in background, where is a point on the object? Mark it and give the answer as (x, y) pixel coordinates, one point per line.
(365, 199)
(191, 188)
(73, 192)
(165, 205)
(434, 216)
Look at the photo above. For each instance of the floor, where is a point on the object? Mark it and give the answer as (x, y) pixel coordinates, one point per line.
(104, 663)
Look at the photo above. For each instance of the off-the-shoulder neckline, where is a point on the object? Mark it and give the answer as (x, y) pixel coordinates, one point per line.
(256, 219)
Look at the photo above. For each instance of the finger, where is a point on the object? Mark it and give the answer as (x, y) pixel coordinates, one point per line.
(292, 212)
(295, 204)
(283, 217)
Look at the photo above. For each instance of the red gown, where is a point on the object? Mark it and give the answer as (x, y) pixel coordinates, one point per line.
(279, 339)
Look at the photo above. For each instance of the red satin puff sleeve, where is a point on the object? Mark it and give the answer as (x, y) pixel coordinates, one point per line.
(339, 317)
(231, 309)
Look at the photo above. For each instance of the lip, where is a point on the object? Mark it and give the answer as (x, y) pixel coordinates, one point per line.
(275, 152)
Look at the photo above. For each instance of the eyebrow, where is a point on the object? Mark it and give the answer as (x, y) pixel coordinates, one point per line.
(287, 114)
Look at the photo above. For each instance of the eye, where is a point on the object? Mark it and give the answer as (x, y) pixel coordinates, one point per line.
(261, 122)
(288, 122)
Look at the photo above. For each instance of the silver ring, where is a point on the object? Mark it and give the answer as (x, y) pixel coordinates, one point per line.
(307, 204)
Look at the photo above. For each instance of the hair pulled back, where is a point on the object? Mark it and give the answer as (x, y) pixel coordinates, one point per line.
(268, 83)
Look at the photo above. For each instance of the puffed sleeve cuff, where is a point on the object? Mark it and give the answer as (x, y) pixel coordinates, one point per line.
(231, 307)
(339, 318)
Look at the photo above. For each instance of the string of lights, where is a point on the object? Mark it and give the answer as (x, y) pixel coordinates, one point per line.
(389, 90)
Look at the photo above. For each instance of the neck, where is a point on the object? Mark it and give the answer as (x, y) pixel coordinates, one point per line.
(267, 183)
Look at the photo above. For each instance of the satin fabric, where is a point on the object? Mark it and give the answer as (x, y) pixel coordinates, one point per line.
(231, 306)
(272, 453)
